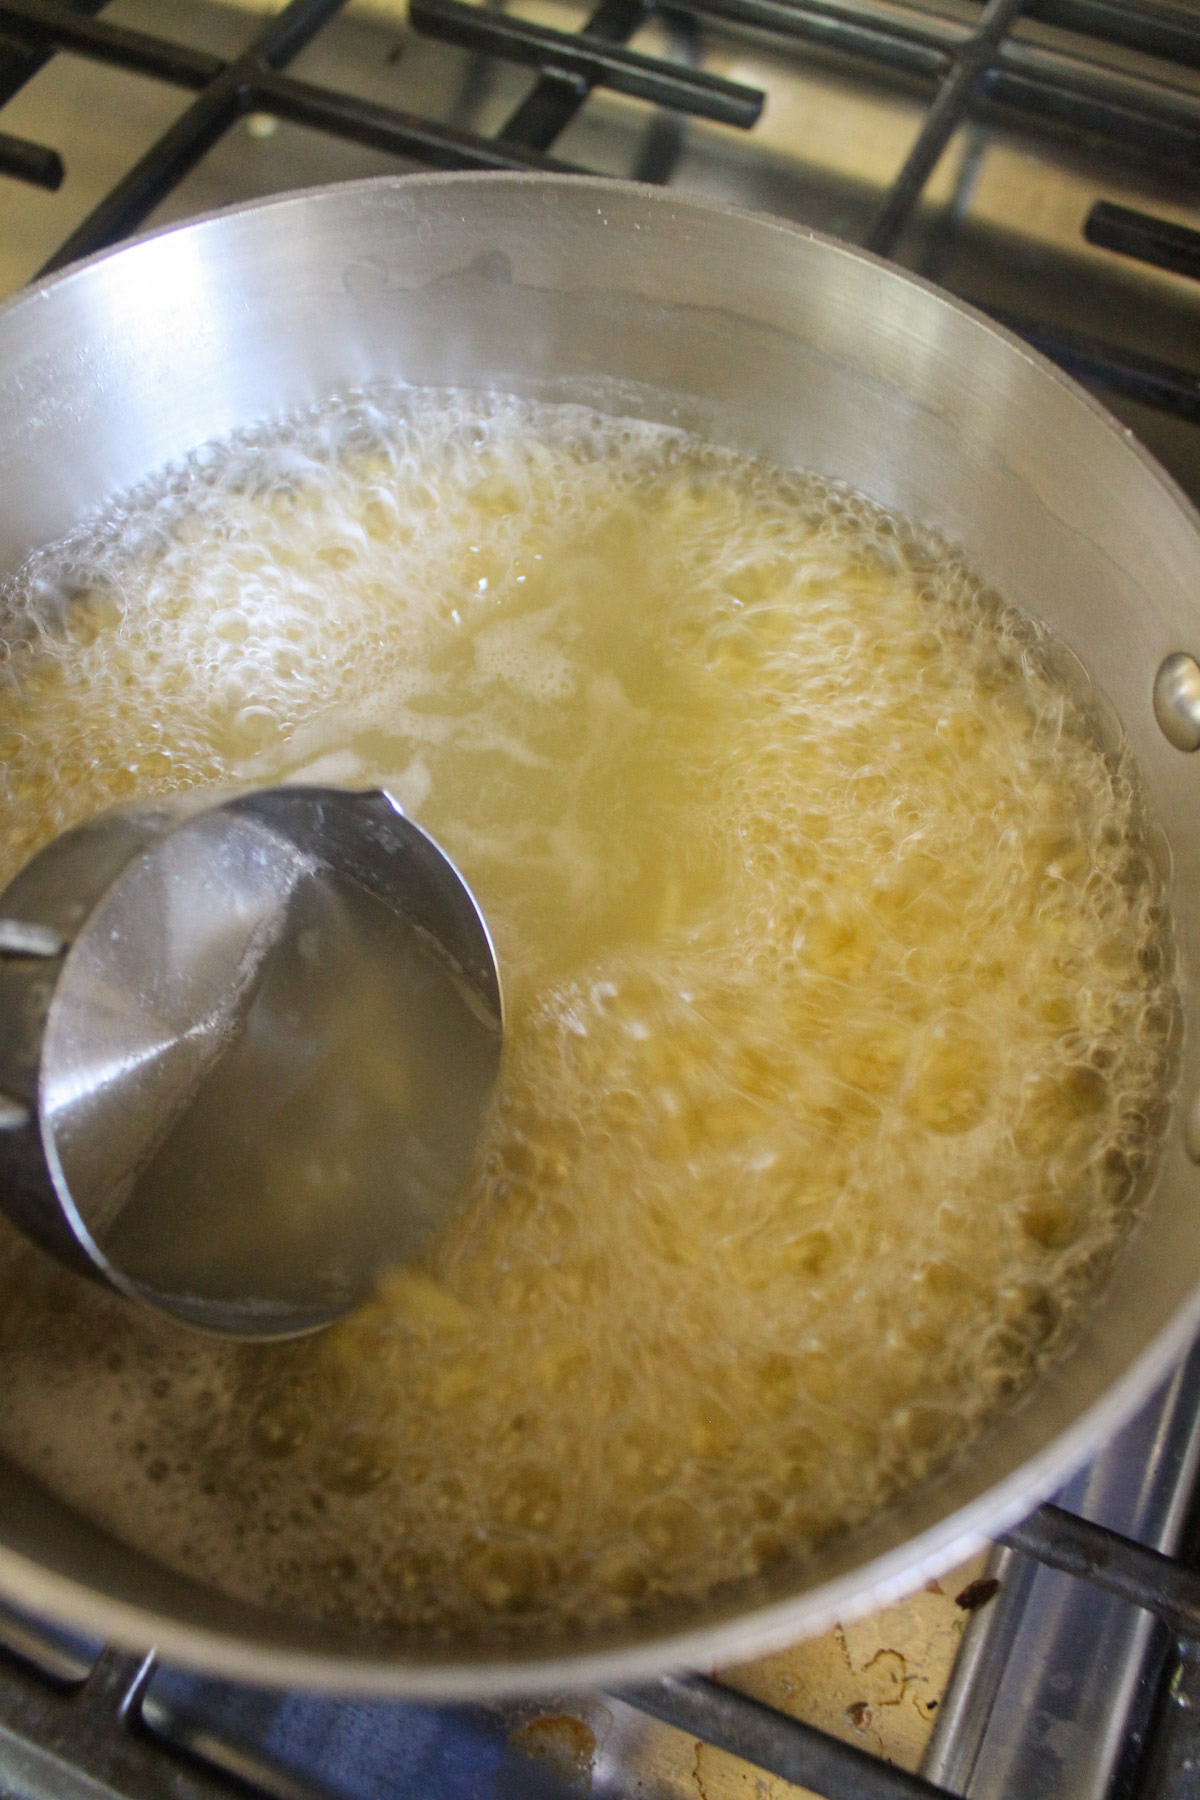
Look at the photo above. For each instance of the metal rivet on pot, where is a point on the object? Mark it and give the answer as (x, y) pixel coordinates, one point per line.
(18, 937)
(13, 1114)
(1177, 700)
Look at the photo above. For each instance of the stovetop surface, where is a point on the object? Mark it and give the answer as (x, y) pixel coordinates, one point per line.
(1002, 224)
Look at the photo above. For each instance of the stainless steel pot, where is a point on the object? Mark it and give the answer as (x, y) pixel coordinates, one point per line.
(757, 335)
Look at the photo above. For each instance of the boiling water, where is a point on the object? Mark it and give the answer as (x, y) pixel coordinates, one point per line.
(840, 1005)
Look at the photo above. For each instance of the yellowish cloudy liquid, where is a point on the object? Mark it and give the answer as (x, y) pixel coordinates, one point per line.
(839, 992)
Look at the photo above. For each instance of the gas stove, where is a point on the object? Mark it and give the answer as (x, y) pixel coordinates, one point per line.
(1039, 160)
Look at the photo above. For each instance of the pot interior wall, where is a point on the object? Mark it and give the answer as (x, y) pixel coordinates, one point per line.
(760, 337)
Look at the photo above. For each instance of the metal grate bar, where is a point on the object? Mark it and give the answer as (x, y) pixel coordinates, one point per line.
(1157, 1584)
(893, 43)
(775, 1742)
(1029, 81)
(33, 163)
(124, 49)
(19, 64)
(291, 30)
(384, 128)
(1140, 235)
(554, 102)
(1117, 1564)
(941, 121)
(1167, 31)
(570, 57)
(1161, 121)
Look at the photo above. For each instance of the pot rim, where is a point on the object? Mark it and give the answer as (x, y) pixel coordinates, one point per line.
(647, 191)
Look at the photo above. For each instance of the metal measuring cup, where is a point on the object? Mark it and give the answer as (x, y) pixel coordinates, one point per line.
(178, 987)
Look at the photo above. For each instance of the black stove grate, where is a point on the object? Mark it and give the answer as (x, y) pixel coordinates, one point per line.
(226, 92)
(1148, 240)
(30, 162)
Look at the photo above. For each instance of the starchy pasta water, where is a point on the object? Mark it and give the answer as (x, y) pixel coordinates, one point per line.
(839, 985)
